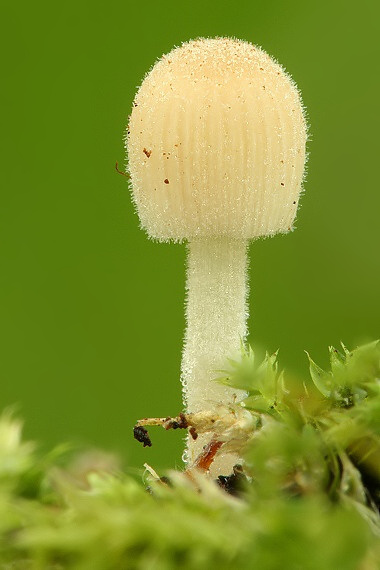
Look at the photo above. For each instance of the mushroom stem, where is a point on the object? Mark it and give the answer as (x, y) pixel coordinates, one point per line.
(216, 315)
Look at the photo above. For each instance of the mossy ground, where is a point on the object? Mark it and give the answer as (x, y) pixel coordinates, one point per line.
(309, 501)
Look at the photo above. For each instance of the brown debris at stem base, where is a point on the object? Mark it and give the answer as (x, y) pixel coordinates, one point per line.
(177, 423)
(228, 426)
(205, 459)
(193, 433)
(141, 435)
(233, 484)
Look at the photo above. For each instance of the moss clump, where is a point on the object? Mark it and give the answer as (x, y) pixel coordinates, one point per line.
(310, 500)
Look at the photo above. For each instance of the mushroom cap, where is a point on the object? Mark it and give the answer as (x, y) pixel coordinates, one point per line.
(216, 143)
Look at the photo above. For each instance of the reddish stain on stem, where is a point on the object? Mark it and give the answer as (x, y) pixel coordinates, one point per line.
(205, 459)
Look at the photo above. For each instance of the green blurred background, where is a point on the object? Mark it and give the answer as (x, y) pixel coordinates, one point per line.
(91, 311)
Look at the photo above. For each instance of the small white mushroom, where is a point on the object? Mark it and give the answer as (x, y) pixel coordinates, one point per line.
(216, 149)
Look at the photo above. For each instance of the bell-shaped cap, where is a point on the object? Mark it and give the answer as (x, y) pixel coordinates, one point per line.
(216, 143)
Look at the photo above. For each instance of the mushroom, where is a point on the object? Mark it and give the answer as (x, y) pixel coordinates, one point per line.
(216, 151)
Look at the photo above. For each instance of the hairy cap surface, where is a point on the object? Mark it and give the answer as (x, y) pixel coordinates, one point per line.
(216, 143)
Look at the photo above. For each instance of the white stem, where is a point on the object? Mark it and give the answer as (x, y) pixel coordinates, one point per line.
(216, 314)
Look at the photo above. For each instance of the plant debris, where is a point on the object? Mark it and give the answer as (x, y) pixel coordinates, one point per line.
(141, 435)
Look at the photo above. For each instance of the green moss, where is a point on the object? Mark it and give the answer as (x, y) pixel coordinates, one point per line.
(310, 500)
